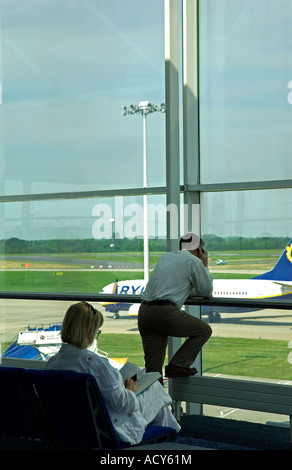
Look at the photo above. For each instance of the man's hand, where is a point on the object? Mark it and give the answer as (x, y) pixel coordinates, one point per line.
(130, 384)
(203, 255)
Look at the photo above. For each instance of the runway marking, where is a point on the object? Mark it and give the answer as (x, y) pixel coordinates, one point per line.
(223, 413)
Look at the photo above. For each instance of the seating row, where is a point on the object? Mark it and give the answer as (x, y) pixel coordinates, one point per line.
(45, 409)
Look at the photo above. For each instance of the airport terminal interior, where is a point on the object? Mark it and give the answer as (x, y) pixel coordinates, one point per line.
(125, 124)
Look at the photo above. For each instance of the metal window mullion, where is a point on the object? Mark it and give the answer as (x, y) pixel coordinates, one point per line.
(191, 141)
(172, 117)
(171, 12)
(83, 194)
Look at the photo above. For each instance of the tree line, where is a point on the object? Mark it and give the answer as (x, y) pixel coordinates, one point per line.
(212, 243)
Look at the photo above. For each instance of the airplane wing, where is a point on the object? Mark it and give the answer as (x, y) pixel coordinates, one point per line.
(282, 283)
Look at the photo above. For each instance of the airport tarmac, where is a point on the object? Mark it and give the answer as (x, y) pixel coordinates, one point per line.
(265, 324)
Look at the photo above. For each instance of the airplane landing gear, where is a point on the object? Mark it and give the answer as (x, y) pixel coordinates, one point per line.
(214, 317)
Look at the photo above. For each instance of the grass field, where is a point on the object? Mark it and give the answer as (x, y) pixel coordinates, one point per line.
(58, 273)
(62, 279)
(229, 356)
(257, 358)
(74, 281)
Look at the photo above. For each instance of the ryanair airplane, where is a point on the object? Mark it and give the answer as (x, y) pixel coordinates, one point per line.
(274, 284)
(134, 287)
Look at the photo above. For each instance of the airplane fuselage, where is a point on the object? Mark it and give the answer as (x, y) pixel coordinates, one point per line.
(250, 288)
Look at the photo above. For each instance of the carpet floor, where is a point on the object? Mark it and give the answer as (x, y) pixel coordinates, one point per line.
(224, 434)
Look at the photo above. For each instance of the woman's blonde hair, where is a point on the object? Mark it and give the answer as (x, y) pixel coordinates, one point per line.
(80, 325)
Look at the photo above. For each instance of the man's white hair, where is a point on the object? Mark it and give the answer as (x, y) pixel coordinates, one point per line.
(190, 241)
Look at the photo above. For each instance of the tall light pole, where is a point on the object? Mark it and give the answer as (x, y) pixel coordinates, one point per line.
(144, 108)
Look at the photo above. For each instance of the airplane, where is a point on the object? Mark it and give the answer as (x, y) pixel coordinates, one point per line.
(135, 287)
(273, 284)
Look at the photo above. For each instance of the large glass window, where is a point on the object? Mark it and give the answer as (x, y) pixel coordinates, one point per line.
(73, 233)
(75, 246)
(247, 234)
(248, 214)
(245, 119)
(66, 70)
(245, 90)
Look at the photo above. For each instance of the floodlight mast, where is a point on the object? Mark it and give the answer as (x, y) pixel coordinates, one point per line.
(144, 108)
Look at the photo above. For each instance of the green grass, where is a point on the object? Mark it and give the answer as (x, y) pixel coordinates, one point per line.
(75, 281)
(231, 276)
(117, 345)
(247, 357)
(256, 358)
(93, 280)
(69, 281)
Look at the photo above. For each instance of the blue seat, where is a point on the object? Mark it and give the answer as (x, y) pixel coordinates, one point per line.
(76, 413)
(17, 429)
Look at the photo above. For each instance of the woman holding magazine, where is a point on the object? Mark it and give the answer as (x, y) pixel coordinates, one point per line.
(130, 414)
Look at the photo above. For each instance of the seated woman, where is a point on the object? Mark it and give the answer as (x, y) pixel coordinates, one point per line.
(130, 414)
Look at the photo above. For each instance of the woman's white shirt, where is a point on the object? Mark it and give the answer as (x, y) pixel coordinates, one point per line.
(129, 414)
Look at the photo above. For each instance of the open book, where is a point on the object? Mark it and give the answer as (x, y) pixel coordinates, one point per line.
(144, 379)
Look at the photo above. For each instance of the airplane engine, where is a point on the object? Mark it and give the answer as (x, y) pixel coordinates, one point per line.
(133, 310)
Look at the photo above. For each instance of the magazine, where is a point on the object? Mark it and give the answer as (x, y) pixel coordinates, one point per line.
(144, 379)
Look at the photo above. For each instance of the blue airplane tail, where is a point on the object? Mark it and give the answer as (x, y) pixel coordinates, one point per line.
(283, 269)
